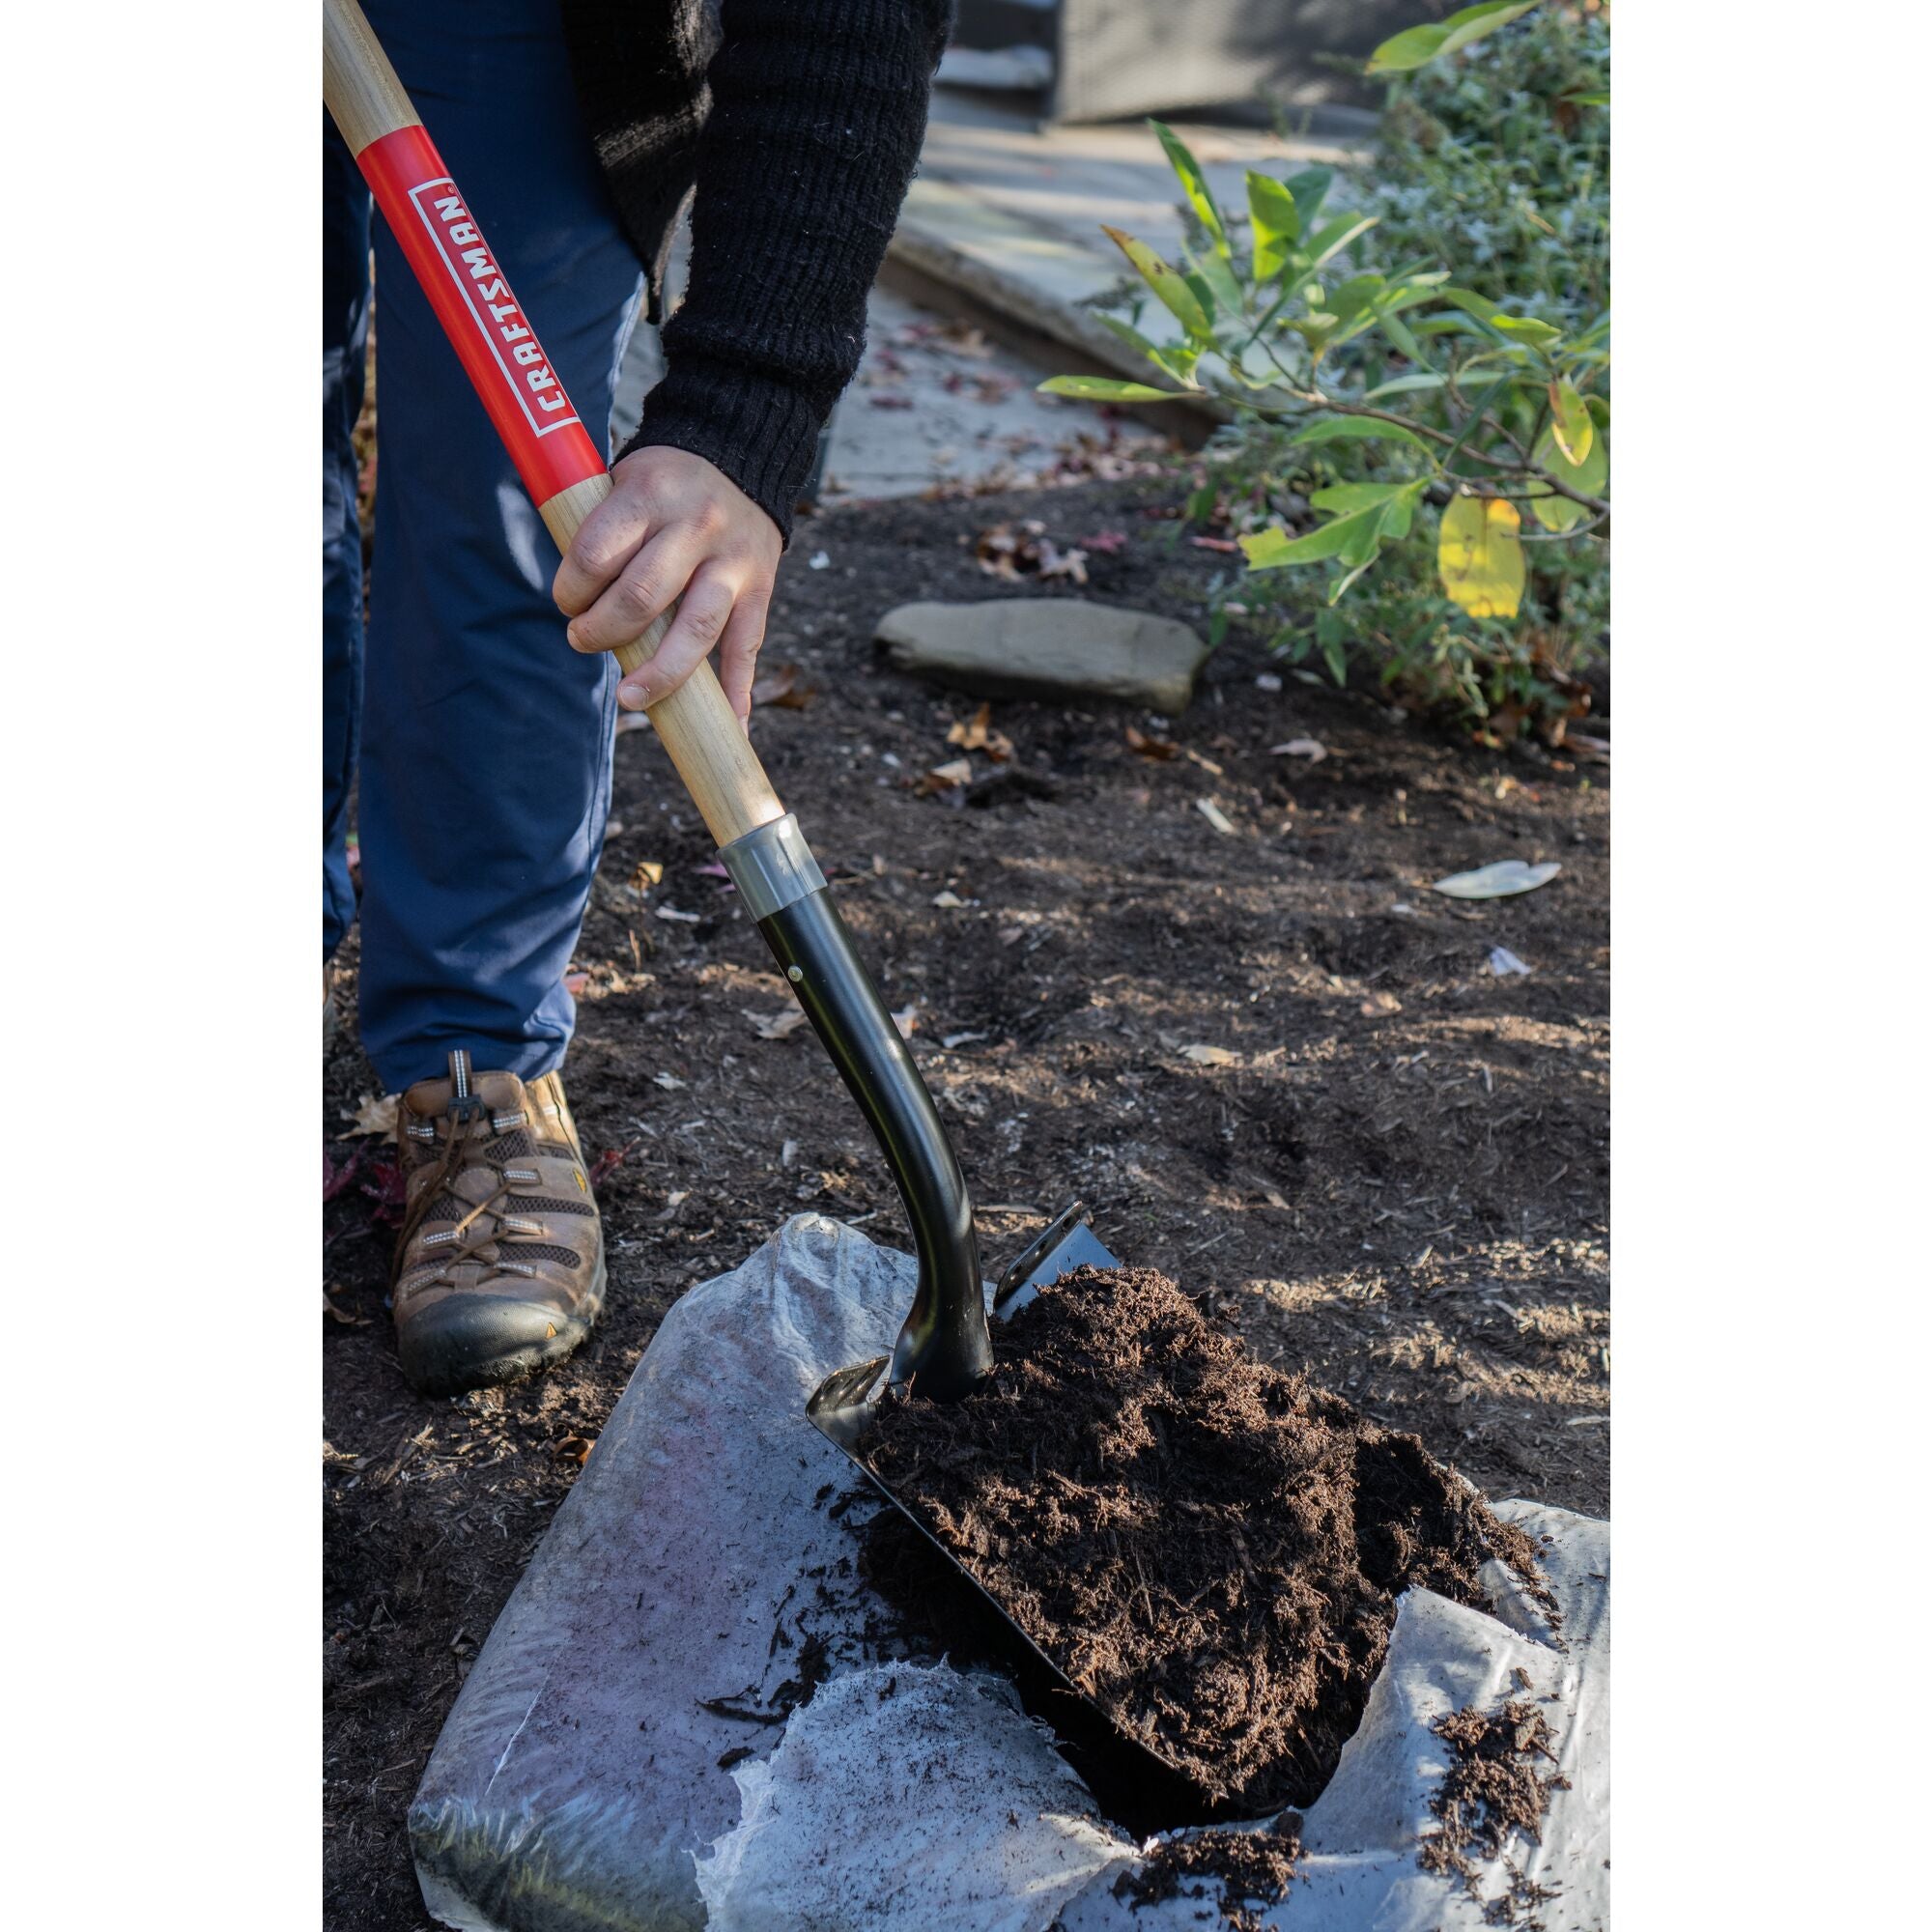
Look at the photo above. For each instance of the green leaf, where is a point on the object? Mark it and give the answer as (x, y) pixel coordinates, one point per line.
(1415, 46)
(1479, 556)
(1527, 328)
(1470, 303)
(1570, 421)
(1176, 296)
(1402, 386)
(1559, 513)
(1104, 389)
(1219, 275)
(1335, 655)
(1337, 236)
(1273, 549)
(1309, 189)
(1200, 197)
(1590, 100)
(1599, 409)
(1343, 582)
(1173, 361)
(1277, 224)
(1357, 428)
(1197, 282)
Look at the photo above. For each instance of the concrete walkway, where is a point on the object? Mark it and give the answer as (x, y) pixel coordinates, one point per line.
(1009, 215)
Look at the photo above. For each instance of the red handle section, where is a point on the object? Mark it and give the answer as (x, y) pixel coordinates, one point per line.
(486, 324)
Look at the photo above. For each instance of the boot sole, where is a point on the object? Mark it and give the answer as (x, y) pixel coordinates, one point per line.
(477, 1344)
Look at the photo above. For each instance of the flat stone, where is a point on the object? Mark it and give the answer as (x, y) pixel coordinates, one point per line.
(1047, 647)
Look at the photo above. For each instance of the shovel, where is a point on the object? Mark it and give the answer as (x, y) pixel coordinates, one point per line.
(944, 1343)
(944, 1350)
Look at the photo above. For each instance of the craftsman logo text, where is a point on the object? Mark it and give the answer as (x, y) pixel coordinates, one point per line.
(513, 344)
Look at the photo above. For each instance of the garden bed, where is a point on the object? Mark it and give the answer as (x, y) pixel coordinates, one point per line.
(1280, 1067)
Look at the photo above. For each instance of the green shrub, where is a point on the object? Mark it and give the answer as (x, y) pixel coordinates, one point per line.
(1396, 429)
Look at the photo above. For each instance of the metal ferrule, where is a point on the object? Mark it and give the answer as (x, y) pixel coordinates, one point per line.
(944, 1349)
(773, 867)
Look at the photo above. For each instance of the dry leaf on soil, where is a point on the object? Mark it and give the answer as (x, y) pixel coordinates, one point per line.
(1022, 550)
(775, 1026)
(948, 777)
(1311, 749)
(375, 1114)
(977, 734)
(783, 686)
(1498, 881)
(1210, 1056)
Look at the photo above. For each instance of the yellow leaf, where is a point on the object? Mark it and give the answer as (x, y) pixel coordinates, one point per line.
(1478, 556)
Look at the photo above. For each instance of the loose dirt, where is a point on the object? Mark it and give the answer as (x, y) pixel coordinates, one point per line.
(1207, 1547)
(1493, 1790)
(1389, 1172)
(1252, 1868)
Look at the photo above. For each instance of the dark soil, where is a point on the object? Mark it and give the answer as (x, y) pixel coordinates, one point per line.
(1252, 1868)
(1387, 1169)
(1493, 1789)
(1208, 1549)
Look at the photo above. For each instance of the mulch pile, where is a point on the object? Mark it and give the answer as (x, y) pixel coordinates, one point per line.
(1493, 1788)
(1208, 1549)
(1254, 1869)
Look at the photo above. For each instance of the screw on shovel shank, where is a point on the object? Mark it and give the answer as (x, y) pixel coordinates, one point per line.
(944, 1349)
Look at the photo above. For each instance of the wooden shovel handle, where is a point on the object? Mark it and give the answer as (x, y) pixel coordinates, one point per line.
(566, 473)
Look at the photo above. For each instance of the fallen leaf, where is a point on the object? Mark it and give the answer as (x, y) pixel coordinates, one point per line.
(646, 873)
(1150, 748)
(949, 901)
(669, 1082)
(948, 777)
(906, 1019)
(1498, 881)
(576, 1448)
(376, 1113)
(1016, 551)
(336, 1180)
(347, 1316)
(1213, 814)
(775, 1026)
(1376, 1004)
(977, 734)
(954, 1039)
(1210, 1056)
(389, 1191)
(783, 686)
(681, 918)
(1311, 749)
(609, 1161)
(1503, 962)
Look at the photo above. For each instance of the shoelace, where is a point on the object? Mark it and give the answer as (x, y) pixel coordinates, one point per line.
(470, 1125)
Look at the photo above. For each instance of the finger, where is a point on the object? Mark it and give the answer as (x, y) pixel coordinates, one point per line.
(606, 541)
(701, 621)
(738, 651)
(651, 582)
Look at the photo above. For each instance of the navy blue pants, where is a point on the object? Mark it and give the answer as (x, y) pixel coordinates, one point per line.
(479, 739)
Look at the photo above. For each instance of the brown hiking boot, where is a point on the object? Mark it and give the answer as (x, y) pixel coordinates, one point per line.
(500, 1265)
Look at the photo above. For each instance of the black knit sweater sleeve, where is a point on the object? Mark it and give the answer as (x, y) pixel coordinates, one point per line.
(818, 114)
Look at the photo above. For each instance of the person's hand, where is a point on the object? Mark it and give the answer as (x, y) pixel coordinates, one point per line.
(673, 527)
